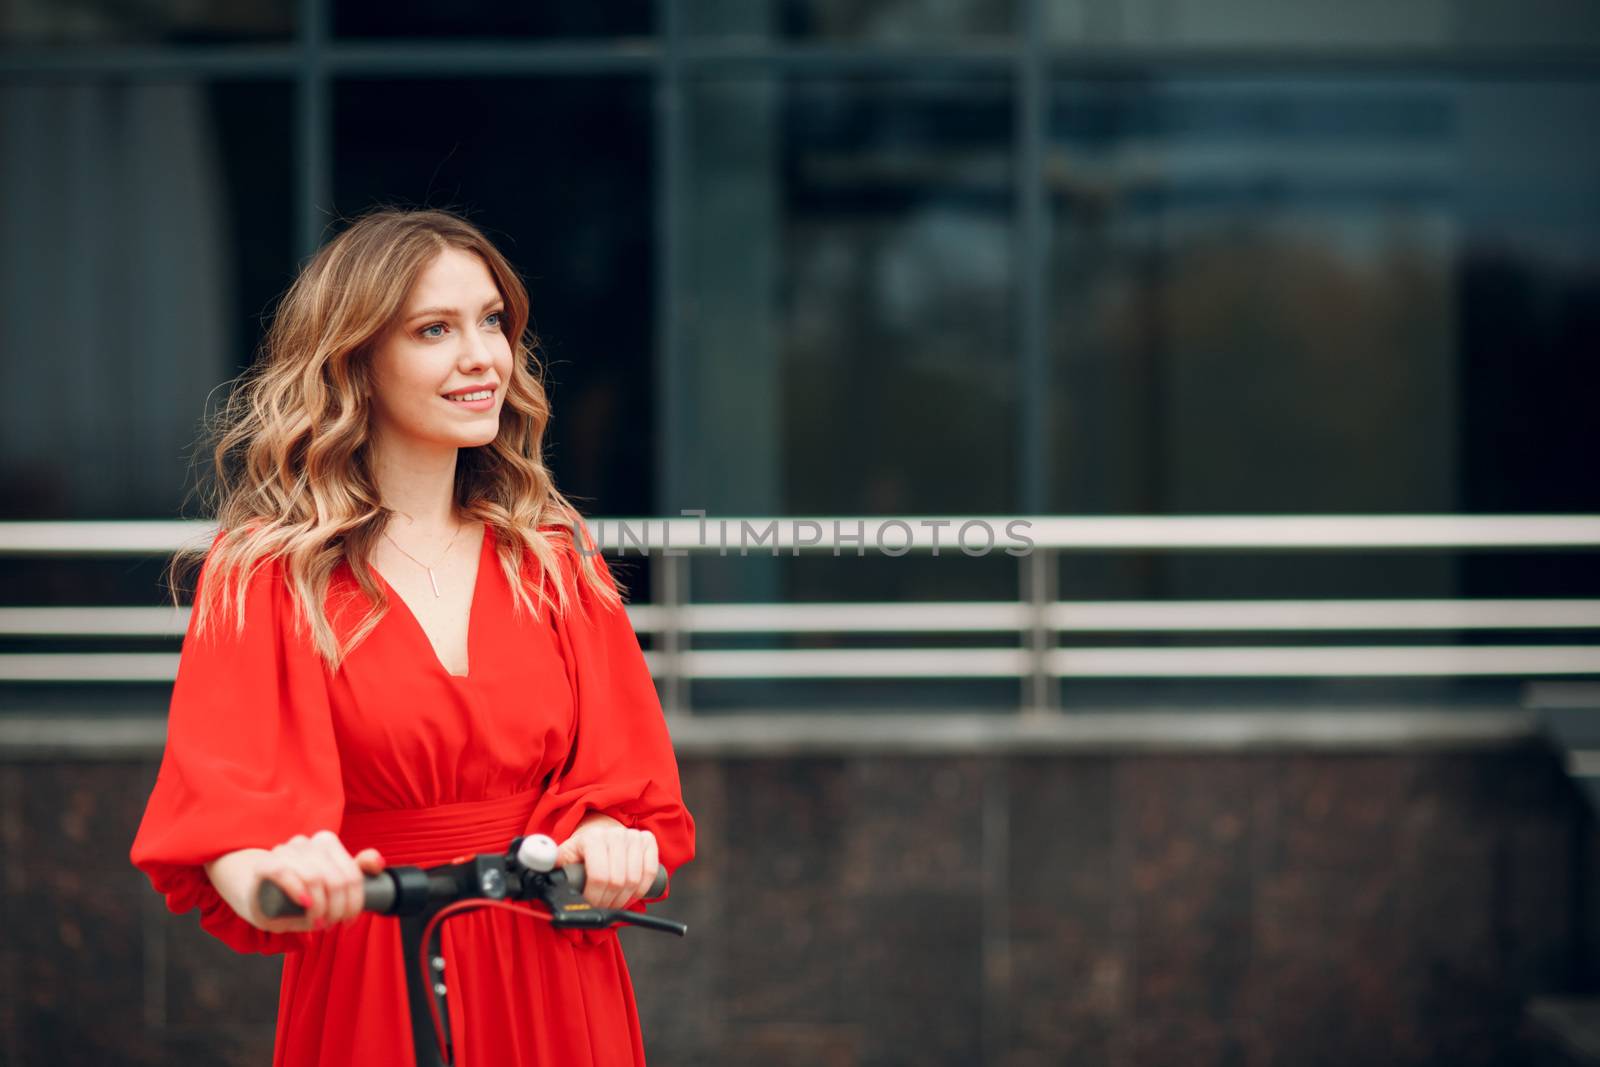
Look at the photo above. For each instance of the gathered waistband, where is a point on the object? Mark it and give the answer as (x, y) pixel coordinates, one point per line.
(442, 832)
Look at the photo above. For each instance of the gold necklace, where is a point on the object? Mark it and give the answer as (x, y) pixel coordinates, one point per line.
(423, 565)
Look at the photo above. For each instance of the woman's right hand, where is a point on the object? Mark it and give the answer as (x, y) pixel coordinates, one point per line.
(316, 872)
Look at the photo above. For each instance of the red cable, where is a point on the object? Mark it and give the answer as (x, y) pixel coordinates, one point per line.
(427, 938)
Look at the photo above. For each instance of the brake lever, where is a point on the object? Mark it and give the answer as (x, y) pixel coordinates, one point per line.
(568, 907)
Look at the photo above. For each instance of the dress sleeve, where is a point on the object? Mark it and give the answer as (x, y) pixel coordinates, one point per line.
(250, 757)
(621, 761)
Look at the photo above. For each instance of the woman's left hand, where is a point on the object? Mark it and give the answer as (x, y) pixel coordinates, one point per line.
(619, 863)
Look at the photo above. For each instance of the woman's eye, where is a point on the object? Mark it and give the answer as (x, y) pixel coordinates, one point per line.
(426, 331)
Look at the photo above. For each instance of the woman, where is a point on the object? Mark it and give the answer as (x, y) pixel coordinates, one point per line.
(398, 654)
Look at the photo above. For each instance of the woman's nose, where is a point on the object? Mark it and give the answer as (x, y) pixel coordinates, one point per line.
(475, 350)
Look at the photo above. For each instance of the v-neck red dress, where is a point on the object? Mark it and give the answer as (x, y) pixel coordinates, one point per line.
(557, 717)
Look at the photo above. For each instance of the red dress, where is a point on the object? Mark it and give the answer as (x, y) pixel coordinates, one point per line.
(556, 717)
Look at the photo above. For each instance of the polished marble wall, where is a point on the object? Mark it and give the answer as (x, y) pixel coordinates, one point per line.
(1295, 907)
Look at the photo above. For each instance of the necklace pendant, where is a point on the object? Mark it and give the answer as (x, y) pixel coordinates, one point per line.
(432, 581)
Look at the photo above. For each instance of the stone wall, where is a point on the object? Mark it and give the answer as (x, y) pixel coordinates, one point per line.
(1141, 907)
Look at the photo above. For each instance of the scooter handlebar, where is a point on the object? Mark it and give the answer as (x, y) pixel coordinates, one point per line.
(379, 891)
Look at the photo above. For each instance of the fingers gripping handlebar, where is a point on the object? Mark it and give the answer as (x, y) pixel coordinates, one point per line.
(525, 872)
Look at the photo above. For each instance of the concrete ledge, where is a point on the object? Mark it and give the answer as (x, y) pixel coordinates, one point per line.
(1558, 695)
(79, 737)
(1089, 732)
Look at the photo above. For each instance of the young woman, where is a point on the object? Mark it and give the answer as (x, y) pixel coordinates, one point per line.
(399, 654)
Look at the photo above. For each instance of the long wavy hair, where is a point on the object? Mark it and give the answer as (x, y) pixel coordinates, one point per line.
(291, 466)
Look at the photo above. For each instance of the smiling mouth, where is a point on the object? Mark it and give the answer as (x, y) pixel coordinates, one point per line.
(481, 394)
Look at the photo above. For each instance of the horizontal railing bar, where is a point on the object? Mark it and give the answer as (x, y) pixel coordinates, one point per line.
(1350, 662)
(88, 667)
(134, 537)
(971, 663)
(94, 622)
(724, 535)
(975, 616)
(1325, 531)
(1269, 662)
(853, 663)
(906, 663)
(1143, 616)
(1219, 615)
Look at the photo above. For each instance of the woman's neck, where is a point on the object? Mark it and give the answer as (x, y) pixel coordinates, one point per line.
(418, 482)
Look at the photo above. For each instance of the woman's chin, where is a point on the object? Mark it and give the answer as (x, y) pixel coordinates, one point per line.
(477, 440)
(463, 436)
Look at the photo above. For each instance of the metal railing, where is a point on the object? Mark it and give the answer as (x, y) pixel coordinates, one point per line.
(1036, 619)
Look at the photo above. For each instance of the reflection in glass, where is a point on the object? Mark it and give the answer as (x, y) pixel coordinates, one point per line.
(1273, 295)
(145, 236)
(1250, 297)
(848, 347)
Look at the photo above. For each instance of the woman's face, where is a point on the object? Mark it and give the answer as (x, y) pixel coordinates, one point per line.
(450, 339)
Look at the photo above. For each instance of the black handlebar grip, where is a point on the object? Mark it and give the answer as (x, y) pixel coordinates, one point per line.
(576, 879)
(377, 895)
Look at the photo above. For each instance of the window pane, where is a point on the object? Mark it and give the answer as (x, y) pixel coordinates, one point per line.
(491, 19)
(145, 238)
(89, 22)
(558, 173)
(1249, 297)
(1303, 294)
(883, 21)
(848, 347)
(1259, 289)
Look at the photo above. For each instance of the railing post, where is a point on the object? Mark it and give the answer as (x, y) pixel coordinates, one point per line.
(1037, 578)
(671, 594)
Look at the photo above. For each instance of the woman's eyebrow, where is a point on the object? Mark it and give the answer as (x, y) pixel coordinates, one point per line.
(487, 304)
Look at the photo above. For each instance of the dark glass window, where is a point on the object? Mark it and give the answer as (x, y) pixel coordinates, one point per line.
(571, 210)
(1297, 294)
(1250, 296)
(1275, 294)
(147, 234)
(848, 347)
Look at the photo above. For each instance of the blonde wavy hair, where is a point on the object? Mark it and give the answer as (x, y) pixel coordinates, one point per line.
(292, 479)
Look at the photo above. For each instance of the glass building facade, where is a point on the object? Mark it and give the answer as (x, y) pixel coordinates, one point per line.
(802, 257)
